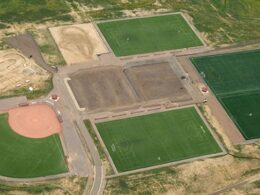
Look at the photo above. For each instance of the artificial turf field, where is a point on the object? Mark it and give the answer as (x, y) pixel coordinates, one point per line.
(25, 158)
(150, 34)
(156, 139)
(235, 80)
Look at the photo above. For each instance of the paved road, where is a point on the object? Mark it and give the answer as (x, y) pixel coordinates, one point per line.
(6, 104)
(27, 45)
(83, 139)
(99, 176)
(81, 165)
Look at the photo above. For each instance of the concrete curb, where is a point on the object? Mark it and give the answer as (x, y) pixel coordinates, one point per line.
(72, 95)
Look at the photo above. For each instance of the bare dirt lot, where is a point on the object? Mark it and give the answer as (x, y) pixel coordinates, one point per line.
(108, 88)
(100, 88)
(18, 71)
(78, 43)
(155, 81)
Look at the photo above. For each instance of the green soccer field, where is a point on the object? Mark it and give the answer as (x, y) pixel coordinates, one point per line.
(156, 139)
(26, 158)
(151, 34)
(235, 80)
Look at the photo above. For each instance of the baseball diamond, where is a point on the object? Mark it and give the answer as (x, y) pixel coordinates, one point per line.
(26, 157)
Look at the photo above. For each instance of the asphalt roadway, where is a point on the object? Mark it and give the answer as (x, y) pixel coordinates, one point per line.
(76, 137)
(27, 45)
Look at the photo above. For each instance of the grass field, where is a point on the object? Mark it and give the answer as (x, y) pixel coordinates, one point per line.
(32, 10)
(235, 80)
(152, 34)
(221, 21)
(25, 158)
(156, 139)
(228, 21)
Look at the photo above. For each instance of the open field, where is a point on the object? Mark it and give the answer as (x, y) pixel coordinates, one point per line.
(155, 139)
(150, 34)
(241, 8)
(234, 78)
(155, 81)
(102, 88)
(26, 44)
(27, 11)
(17, 71)
(25, 158)
(230, 73)
(49, 49)
(65, 185)
(199, 177)
(228, 21)
(244, 111)
(78, 43)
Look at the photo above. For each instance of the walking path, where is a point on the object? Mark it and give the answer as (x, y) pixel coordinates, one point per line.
(236, 185)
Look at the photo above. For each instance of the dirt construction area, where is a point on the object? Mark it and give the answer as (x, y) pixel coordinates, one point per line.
(34, 121)
(100, 88)
(115, 87)
(156, 81)
(18, 71)
(78, 43)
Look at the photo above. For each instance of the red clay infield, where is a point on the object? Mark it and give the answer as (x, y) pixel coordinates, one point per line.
(34, 121)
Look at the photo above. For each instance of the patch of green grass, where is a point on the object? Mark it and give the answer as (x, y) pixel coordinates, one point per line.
(234, 78)
(238, 8)
(108, 168)
(144, 35)
(48, 47)
(24, 91)
(226, 21)
(30, 10)
(140, 183)
(230, 73)
(25, 158)
(229, 21)
(94, 3)
(3, 26)
(29, 189)
(251, 172)
(95, 139)
(64, 185)
(105, 14)
(156, 139)
(257, 183)
(244, 111)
